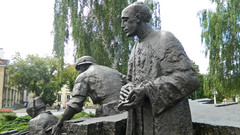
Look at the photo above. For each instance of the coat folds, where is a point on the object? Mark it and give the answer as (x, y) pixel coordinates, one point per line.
(160, 64)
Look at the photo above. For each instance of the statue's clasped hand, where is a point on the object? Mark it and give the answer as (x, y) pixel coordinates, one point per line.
(124, 93)
(135, 98)
(131, 98)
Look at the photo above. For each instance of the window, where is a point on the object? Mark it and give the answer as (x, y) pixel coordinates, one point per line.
(59, 98)
(68, 97)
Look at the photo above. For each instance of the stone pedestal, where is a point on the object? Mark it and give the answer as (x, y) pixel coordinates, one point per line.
(207, 120)
(109, 125)
(208, 129)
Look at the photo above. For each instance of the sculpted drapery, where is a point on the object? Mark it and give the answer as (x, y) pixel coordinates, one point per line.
(160, 66)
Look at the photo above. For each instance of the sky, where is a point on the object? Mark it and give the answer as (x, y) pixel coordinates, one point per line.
(26, 26)
(180, 18)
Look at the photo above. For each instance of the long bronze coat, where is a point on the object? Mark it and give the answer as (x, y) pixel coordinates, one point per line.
(160, 64)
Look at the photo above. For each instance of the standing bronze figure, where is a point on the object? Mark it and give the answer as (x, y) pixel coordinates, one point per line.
(160, 76)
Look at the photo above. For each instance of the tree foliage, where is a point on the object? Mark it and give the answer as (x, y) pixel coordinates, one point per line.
(221, 36)
(210, 84)
(95, 27)
(34, 74)
(69, 75)
(199, 93)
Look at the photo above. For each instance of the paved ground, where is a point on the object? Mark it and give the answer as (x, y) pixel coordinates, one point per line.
(201, 113)
(22, 112)
(210, 114)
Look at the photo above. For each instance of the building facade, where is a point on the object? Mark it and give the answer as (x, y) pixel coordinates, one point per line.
(63, 96)
(8, 96)
(3, 65)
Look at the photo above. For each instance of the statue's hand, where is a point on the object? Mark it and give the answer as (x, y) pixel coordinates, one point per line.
(124, 93)
(56, 130)
(135, 98)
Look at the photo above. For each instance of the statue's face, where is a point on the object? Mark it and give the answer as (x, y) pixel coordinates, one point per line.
(129, 22)
(83, 68)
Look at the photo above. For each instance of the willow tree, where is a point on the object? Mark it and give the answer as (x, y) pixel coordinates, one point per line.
(95, 27)
(220, 34)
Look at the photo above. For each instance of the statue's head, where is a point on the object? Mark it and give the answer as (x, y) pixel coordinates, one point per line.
(83, 63)
(133, 15)
(35, 107)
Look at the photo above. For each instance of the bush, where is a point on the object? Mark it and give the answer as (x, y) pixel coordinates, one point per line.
(11, 122)
(23, 119)
(80, 115)
(9, 117)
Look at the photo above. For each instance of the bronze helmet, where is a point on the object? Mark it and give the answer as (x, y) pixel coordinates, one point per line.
(35, 105)
(84, 60)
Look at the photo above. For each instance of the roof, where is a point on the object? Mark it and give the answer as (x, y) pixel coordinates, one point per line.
(4, 62)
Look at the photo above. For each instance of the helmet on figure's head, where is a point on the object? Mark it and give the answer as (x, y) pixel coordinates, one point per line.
(84, 60)
(34, 106)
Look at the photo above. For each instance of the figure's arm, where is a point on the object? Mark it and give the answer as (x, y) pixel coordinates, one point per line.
(67, 115)
(74, 106)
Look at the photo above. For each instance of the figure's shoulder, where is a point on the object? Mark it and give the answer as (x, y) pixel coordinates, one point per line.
(164, 34)
(81, 77)
(102, 72)
(167, 38)
(103, 69)
(94, 71)
(48, 114)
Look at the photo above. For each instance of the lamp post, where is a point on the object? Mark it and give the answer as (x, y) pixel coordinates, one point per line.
(214, 96)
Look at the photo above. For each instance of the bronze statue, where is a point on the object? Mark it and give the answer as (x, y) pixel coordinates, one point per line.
(101, 83)
(42, 120)
(160, 76)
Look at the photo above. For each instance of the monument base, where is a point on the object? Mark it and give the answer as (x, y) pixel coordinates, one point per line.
(109, 125)
(205, 121)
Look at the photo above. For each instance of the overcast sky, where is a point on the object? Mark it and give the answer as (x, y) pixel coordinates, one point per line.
(26, 26)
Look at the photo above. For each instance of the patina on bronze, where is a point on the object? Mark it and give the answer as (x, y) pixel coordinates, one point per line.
(160, 76)
(101, 83)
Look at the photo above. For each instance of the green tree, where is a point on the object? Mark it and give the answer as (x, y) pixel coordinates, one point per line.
(95, 27)
(209, 82)
(221, 37)
(34, 74)
(68, 76)
(199, 93)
